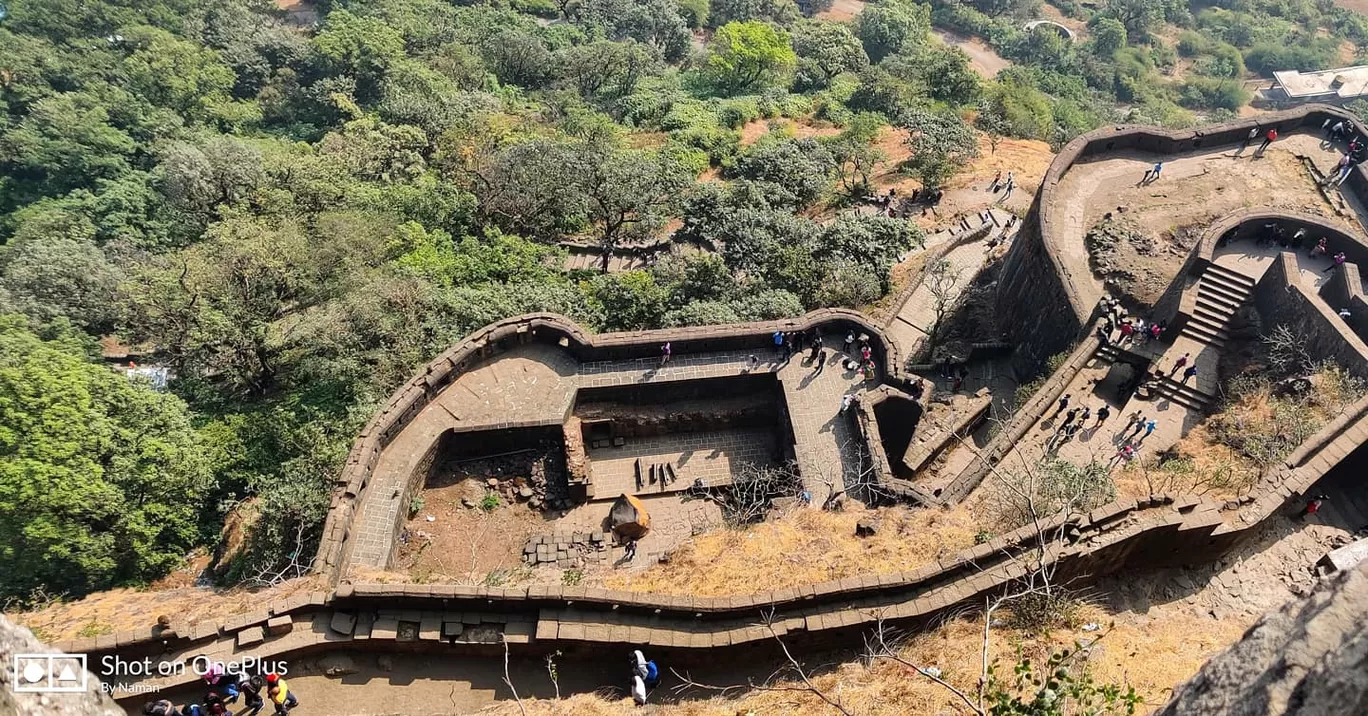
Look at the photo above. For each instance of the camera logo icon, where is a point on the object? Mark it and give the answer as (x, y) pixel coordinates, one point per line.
(50, 673)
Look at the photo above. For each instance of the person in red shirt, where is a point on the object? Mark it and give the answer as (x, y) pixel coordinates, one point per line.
(1268, 139)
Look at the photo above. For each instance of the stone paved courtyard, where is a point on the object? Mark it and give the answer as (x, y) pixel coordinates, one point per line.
(715, 457)
(537, 383)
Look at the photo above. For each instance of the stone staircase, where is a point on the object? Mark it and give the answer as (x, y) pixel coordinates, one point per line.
(1220, 293)
(1188, 396)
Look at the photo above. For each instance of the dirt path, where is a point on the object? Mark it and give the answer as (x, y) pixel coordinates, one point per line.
(982, 58)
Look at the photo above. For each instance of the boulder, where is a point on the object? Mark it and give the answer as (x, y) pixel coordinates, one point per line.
(866, 527)
(1309, 658)
(91, 701)
(337, 665)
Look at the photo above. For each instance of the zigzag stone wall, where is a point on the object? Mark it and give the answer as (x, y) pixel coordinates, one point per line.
(1038, 300)
(413, 396)
(1127, 534)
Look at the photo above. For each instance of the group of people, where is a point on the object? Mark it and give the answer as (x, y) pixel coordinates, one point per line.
(1007, 185)
(1127, 329)
(645, 675)
(1270, 135)
(226, 689)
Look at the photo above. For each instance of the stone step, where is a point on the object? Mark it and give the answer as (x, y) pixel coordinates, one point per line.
(1229, 276)
(1236, 294)
(1207, 324)
(1221, 299)
(1185, 395)
(1212, 315)
(1204, 335)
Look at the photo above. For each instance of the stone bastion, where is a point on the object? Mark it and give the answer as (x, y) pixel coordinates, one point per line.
(1160, 530)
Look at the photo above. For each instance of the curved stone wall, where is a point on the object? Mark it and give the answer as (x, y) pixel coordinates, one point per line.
(1160, 530)
(1039, 301)
(414, 395)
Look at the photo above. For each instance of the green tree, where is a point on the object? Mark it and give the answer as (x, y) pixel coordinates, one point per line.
(56, 275)
(627, 301)
(184, 76)
(518, 58)
(746, 55)
(627, 193)
(1137, 16)
(1108, 35)
(855, 154)
(940, 143)
(781, 12)
(825, 50)
(65, 142)
(801, 166)
(362, 48)
(101, 477)
(885, 27)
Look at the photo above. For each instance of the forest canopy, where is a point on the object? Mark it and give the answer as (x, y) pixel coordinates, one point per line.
(292, 210)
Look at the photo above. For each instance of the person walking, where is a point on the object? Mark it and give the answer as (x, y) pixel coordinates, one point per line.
(1156, 330)
(629, 550)
(280, 694)
(821, 362)
(1253, 132)
(1084, 416)
(1150, 425)
(1318, 249)
(1063, 404)
(1345, 313)
(1191, 372)
(816, 345)
(1124, 455)
(1158, 167)
(752, 362)
(1178, 364)
(778, 338)
(1339, 259)
(1069, 418)
(1103, 413)
(1269, 137)
(849, 342)
(664, 354)
(1313, 506)
(1136, 420)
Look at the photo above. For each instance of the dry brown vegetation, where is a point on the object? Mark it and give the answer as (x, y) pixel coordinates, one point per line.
(1259, 425)
(118, 610)
(1151, 653)
(803, 547)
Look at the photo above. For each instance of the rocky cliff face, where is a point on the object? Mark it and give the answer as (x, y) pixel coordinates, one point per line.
(1309, 658)
(15, 639)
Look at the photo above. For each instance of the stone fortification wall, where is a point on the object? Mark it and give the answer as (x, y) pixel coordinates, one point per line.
(1282, 299)
(1038, 301)
(414, 395)
(1179, 301)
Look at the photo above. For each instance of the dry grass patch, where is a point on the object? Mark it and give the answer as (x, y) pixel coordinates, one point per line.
(804, 546)
(1151, 653)
(125, 609)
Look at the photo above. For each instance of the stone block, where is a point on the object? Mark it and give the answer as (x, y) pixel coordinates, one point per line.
(250, 637)
(385, 628)
(277, 626)
(452, 629)
(430, 629)
(365, 623)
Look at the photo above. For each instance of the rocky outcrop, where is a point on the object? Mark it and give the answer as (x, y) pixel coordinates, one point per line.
(1309, 658)
(15, 639)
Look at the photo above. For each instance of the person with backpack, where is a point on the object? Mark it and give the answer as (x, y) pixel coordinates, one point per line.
(279, 691)
(250, 689)
(1270, 137)
(162, 707)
